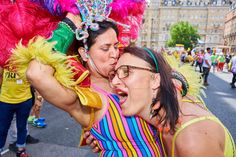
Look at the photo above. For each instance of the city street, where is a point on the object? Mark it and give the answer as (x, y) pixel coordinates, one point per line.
(61, 137)
(221, 99)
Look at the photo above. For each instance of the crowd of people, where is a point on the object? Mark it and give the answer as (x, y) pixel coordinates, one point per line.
(205, 60)
(129, 99)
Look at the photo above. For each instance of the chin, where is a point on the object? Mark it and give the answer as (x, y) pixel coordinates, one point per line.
(127, 112)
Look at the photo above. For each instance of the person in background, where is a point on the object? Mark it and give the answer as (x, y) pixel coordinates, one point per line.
(214, 61)
(227, 60)
(187, 128)
(15, 98)
(34, 117)
(233, 70)
(206, 66)
(183, 57)
(13, 136)
(20, 21)
(199, 60)
(221, 61)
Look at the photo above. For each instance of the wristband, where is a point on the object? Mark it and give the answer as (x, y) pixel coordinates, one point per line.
(69, 23)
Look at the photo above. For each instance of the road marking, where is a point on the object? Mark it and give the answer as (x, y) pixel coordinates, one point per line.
(5, 151)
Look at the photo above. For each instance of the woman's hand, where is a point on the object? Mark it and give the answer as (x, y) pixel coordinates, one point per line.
(76, 19)
(92, 142)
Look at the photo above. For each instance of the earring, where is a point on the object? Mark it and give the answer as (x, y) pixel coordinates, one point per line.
(86, 55)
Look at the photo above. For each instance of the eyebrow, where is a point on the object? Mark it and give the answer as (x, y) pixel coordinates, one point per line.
(121, 66)
(110, 44)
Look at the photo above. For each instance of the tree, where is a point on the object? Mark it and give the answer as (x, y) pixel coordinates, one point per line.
(183, 33)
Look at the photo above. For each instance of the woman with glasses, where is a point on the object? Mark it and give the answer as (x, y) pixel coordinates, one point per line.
(142, 79)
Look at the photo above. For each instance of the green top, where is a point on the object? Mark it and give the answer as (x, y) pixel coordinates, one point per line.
(214, 58)
(221, 59)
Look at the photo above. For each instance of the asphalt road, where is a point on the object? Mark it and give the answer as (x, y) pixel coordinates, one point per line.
(61, 137)
(221, 99)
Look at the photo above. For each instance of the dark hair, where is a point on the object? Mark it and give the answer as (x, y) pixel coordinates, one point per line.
(208, 49)
(103, 27)
(166, 94)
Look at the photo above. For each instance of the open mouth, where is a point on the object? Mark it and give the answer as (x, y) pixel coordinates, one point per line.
(122, 95)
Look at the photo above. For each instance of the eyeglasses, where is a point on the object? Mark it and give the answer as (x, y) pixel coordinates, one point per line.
(124, 70)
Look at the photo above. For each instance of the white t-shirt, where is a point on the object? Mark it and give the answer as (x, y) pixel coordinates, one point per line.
(207, 57)
(234, 62)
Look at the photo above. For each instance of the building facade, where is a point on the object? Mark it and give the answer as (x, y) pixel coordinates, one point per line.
(206, 15)
(230, 28)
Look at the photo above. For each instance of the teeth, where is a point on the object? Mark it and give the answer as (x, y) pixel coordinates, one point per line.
(120, 92)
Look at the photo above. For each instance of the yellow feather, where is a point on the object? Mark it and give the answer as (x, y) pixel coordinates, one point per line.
(194, 79)
(38, 48)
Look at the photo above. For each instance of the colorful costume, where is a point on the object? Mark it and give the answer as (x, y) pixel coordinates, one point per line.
(136, 138)
(118, 135)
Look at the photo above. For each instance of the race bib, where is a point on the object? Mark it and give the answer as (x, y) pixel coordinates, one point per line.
(19, 82)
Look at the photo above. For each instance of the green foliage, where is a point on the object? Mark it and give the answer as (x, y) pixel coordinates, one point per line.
(183, 33)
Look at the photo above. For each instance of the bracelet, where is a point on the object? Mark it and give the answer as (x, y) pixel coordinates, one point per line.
(69, 24)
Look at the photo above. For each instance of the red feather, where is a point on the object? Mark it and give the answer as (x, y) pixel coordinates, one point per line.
(22, 20)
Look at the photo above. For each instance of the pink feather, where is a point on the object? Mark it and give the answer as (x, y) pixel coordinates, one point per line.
(128, 12)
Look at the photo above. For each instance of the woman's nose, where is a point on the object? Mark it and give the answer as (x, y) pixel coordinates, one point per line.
(115, 81)
(114, 53)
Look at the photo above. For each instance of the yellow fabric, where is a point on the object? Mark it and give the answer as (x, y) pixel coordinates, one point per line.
(82, 77)
(199, 102)
(162, 143)
(14, 90)
(88, 97)
(92, 118)
(229, 150)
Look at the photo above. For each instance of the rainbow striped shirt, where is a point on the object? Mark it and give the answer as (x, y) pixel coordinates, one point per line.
(120, 136)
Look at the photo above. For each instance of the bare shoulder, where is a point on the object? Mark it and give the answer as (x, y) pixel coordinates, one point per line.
(205, 138)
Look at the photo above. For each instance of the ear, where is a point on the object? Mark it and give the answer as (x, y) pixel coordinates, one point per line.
(155, 82)
(83, 53)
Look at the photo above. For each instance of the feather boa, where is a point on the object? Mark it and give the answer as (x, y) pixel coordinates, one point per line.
(41, 50)
(194, 79)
